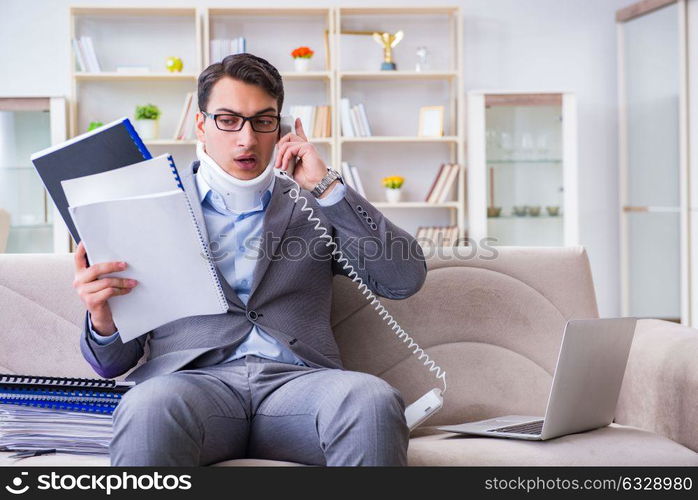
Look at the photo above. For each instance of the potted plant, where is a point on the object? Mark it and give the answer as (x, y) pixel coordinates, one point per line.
(94, 125)
(147, 121)
(301, 58)
(393, 185)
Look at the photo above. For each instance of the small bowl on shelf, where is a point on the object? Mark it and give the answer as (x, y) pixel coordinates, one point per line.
(534, 211)
(553, 211)
(519, 211)
(494, 211)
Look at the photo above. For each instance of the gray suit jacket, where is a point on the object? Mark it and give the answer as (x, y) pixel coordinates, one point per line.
(290, 296)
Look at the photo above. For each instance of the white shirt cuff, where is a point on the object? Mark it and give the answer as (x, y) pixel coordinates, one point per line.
(335, 195)
(101, 339)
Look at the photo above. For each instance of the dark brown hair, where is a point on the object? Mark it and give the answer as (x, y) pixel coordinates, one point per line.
(247, 68)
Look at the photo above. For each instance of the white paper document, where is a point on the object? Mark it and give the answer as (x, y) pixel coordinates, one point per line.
(140, 215)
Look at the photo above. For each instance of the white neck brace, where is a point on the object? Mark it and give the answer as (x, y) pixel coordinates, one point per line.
(238, 195)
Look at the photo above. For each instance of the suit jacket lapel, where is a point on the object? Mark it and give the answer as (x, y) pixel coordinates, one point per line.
(276, 219)
(189, 185)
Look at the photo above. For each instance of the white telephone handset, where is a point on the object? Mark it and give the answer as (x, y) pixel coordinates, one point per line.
(432, 401)
(286, 125)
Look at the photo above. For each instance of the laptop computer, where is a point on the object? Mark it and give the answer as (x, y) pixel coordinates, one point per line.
(585, 389)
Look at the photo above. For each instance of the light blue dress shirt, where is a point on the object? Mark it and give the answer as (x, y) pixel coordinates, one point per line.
(228, 231)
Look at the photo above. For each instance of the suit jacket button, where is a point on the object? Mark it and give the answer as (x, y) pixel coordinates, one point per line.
(252, 315)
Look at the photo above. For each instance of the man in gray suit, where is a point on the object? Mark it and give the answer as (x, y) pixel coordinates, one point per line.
(264, 380)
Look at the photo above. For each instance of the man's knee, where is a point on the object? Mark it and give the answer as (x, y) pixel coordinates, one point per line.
(160, 395)
(372, 396)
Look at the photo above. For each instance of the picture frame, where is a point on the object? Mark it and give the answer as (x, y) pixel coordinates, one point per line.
(431, 121)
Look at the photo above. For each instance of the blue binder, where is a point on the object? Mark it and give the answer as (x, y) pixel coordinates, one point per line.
(63, 393)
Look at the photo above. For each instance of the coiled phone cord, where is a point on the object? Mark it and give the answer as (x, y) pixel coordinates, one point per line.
(402, 335)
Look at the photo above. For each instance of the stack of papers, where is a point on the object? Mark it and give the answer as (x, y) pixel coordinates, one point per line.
(140, 214)
(35, 428)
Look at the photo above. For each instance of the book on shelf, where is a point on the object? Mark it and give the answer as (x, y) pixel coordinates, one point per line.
(222, 47)
(79, 56)
(354, 120)
(350, 173)
(185, 126)
(443, 183)
(62, 414)
(437, 235)
(357, 179)
(347, 176)
(85, 55)
(364, 119)
(316, 119)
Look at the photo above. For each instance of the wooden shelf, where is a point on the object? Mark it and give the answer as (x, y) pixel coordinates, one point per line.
(397, 75)
(526, 217)
(133, 11)
(268, 11)
(388, 138)
(113, 75)
(306, 75)
(192, 142)
(415, 204)
(354, 11)
(170, 142)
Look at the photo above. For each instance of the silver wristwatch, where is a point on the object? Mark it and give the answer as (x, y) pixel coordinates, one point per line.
(321, 186)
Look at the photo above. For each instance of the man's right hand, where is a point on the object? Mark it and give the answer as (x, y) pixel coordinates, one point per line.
(94, 291)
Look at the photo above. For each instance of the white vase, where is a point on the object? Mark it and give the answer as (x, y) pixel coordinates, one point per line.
(302, 64)
(147, 129)
(393, 195)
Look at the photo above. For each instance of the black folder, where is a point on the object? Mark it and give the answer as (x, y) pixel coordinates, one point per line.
(108, 147)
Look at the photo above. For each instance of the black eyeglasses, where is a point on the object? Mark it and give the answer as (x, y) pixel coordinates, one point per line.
(228, 122)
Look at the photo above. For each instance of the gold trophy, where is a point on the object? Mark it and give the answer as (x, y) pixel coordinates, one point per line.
(387, 40)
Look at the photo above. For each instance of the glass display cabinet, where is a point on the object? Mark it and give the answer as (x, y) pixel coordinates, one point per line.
(29, 222)
(654, 231)
(522, 168)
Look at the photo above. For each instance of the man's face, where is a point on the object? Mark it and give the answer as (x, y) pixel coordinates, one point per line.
(233, 96)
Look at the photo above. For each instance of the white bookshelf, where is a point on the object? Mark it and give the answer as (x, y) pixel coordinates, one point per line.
(125, 37)
(394, 149)
(359, 78)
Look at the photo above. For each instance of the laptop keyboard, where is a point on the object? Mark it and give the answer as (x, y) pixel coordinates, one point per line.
(527, 428)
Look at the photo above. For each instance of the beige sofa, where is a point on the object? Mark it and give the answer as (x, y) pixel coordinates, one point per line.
(493, 323)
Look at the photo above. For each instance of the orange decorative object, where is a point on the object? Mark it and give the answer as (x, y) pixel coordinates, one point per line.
(302, 52)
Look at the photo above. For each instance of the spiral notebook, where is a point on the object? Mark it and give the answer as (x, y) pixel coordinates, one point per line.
(141, 214)
(62, 393)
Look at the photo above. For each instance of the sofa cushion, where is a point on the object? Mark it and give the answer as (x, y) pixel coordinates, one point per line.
(612, 445)
(72, 460)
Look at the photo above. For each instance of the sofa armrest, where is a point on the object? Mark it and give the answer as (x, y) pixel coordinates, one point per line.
(660, 386)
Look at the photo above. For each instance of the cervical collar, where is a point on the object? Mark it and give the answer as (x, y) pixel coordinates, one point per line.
(238, 195)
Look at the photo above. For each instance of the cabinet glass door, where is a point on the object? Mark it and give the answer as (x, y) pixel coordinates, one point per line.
(651, 164)
(524, 160)
(26, 211)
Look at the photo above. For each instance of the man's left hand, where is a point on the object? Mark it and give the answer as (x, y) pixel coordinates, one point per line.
(310, 169)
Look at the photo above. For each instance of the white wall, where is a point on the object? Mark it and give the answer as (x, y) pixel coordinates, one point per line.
(509, 44)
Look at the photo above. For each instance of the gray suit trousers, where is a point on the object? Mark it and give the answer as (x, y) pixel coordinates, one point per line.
(260, 408)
